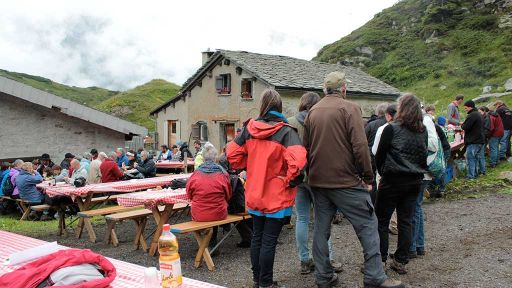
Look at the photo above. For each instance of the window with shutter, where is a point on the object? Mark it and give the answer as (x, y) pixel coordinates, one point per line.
(196, 133)
(246, 89)
(219, 84)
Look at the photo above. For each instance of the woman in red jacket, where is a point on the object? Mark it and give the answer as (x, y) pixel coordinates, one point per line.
(272, 154)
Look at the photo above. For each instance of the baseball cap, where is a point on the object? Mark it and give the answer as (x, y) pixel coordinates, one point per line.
(334, 80)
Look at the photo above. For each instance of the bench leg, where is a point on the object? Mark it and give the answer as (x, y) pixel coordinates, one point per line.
(110, 235)
(90, 230)
(203, 239)
(26, 211)
(139, 236)
(62, 223)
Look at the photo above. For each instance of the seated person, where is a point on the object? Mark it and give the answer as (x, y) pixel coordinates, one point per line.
(121, 157)
(183, 146)
(46, 162)
(176, 154)
(47, 174)
(131, 161)
(147, 166)
(165, 153)
(26, 183)
(4, 175)
(209, 190)
(59, 173)
(15, 171)
(78, 171)
(110, 172)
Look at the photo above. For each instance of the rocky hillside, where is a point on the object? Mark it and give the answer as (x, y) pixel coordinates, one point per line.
(133, 105)
(435, 48)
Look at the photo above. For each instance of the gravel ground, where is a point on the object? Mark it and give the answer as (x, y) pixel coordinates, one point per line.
(469, 244)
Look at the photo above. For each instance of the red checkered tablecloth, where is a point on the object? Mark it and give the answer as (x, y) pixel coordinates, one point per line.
(128, 275)
(173, 164)
(120, 186)
(151, 198)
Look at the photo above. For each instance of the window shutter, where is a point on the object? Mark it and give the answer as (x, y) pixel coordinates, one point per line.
(204, 132)
(196, 133)
(218, 84)
(228, 84)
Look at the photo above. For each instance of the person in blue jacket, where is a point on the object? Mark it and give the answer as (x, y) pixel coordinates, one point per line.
(26, 182)
(165, 153)
(121, 158)
(4, 174)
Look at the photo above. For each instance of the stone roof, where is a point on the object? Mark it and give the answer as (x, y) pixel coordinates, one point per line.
(70, 108)
(285, 72)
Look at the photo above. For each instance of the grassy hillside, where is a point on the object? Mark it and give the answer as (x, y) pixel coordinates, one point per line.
(135, 104)
(435, 48)
(87, 96)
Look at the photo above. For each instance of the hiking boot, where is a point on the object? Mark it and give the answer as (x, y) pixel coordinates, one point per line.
(398, 267)
(420, 251)
(332, 283)
(274, 285)
(336, 266)
(389, 283)
(307, 267)
(412, 255)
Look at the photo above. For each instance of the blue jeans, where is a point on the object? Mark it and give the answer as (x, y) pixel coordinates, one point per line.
(474, 154)
(504, 143)
(494, 144)
(418, 233)
(303, 202)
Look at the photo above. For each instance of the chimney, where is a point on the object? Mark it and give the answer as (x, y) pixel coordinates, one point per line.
(206, 55)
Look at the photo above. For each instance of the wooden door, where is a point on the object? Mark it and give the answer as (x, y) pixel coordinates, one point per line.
(172, 132)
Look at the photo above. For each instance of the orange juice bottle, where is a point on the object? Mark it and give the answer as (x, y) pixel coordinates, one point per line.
(170, 265)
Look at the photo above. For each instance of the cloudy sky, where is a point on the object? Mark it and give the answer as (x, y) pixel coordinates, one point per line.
(121, 44)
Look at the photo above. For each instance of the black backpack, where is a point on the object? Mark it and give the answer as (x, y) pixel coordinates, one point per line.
(8, 188)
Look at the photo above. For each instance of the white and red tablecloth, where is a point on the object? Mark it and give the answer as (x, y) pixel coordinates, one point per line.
(151, 198)
(456, 145)
(119, 186)
(128, 275)
(173, 164)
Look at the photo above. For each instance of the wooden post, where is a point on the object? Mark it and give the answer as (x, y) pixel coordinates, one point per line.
(185, 159)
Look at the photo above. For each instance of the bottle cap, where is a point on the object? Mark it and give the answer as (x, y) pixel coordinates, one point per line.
(167, 227)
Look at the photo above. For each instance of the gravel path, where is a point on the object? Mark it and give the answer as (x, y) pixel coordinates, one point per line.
(469, 244)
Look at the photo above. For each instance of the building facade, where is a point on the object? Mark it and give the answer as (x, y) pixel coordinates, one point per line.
(225, 92)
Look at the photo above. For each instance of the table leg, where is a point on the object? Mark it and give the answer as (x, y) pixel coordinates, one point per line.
(203, 239)
(139, 236)
(160, 219)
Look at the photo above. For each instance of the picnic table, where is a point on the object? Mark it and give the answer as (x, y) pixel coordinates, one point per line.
(128, 275)
(174, 164)
(83, 195)
(151, 199)
(456, 145)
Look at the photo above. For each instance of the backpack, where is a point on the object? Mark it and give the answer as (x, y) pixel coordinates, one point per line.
(8, 188)
(438, 165)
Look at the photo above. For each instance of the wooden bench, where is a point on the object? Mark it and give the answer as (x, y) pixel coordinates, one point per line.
(140, 218)
(87, 215)
(24, 206)
(203, 233)
(61, 209)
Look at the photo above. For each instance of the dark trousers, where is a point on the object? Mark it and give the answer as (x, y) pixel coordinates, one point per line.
(263, 248)
(403, 198)
(244, 228)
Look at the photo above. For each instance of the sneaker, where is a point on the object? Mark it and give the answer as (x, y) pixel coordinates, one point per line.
(398, 267)
(336, 266)
(244, 244)
(389, 283)
(274, 285)
(332, 283)
(307, 267)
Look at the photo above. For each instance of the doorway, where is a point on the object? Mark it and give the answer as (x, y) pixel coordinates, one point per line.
(227, 133)
(172, 132)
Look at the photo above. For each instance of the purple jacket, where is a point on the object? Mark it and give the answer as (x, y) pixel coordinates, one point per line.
(12, 176)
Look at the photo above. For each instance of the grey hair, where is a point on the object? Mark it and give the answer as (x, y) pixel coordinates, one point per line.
(328, 91)
(113, 155)
(144, 153)
(209, 152)
(103, 155)
(120, 150)
(380, 110)
(17, 162)
(87, 156)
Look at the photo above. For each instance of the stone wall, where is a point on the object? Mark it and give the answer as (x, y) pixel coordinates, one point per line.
(28, 130)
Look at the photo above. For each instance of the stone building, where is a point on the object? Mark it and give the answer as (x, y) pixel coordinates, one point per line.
(33, 122)
(225, 91)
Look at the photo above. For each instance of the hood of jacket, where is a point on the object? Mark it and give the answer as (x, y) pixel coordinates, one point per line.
(263, 130)
(301, 117)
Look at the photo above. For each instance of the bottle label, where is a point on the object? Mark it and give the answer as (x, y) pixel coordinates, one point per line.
(171, 273)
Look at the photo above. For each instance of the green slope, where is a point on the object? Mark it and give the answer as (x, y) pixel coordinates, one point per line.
(87, 96)
(435, 48)
(135, 104)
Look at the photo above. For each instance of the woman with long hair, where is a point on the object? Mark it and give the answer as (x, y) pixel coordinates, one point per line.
(401, 160)
(270, 150)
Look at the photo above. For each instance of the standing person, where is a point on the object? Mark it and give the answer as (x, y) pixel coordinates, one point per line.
(67, 159)
(304, 198)
(197, 146)
(441, 181)
(94, 170)
(45, 163)
(496, 132)
(334, 126)
(165, 153)
(121, 158)
(401, 160)
(110, 171)
(270, 150)
(484, 112)
(474, 141)
(198, 159)
(453, 111)
(506, 118)
(94, 154)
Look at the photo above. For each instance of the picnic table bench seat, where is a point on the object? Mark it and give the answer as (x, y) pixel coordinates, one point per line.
(139, 216)
(24, 206)
(203, 233)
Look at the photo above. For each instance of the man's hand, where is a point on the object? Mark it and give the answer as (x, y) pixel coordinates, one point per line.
(369, 187)
(135, 164)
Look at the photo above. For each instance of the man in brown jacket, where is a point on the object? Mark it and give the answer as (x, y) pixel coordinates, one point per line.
(340, 175)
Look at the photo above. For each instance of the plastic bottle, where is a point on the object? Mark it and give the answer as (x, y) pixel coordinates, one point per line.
(170, 265)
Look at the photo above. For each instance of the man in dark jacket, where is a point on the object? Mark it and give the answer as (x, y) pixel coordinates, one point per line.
(334, 126)
(147, 166)
(46, 162)
(474, 140)
(183, 146)
(506, 118)
(371, 130)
